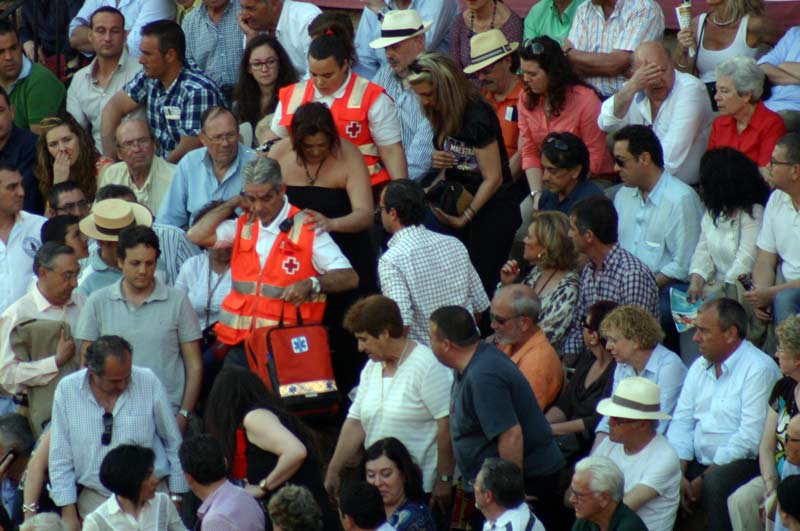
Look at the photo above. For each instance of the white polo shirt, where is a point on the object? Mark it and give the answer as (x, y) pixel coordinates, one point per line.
(16, 257)
(779, 233)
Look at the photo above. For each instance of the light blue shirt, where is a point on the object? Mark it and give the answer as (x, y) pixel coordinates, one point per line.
(663, 230)
(784, 97)
(416, 131)
(720, 420)
(215, 48)
(195, 184)
(664, 368)
(441, 13)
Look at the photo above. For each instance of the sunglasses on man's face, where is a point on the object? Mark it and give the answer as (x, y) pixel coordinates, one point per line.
(108, 427)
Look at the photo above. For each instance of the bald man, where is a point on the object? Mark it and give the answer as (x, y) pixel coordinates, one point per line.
(675, 104)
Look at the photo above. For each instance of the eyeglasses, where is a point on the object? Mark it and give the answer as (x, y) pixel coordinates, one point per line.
(143, 142)
(66, 275)
(579, 496)
(619, 161)
(773, 162)
(265, 65)
(230, 136)
(556, 143)
(267, 197)
(501, 320)
(71, 207)
(108, 427)
(379, 208)
(533, 47)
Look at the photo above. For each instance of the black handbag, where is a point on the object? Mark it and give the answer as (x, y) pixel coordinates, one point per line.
(449, 196)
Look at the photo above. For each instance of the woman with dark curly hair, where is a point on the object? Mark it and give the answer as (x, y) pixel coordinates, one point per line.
(556, 100)
(388, 466)
(264, 445)
(265, 68)
(66, 152)
(293, 508)
(734, 194)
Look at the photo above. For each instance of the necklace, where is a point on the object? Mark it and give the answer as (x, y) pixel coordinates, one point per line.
(722, 24)
(546, 282)
(312, 180)
(472, 18)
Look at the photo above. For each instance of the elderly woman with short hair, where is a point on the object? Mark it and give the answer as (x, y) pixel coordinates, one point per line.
(633, 336)
(744, 123)
(293, 508)
(783, 401)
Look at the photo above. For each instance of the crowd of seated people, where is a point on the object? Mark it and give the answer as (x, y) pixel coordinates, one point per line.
(453, 266)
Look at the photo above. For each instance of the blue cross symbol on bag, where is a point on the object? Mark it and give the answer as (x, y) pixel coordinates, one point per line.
(299, 344)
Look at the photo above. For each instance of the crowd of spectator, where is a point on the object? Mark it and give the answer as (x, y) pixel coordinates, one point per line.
(262, 269)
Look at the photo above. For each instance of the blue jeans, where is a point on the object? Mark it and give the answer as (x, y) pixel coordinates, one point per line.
(786, 304)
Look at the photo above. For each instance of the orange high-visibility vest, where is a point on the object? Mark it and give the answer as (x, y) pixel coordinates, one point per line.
(350, 114)
(255, 292)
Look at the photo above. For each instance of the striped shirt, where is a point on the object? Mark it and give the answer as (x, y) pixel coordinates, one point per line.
(631, 23)
(215, 48)
(621, 278)
(175, 111)
(175, 250)
(142, 415)
(416, 131)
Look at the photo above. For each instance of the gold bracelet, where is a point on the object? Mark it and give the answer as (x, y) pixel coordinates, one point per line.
(466, 214)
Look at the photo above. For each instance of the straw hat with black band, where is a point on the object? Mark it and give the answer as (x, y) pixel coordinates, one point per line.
(634, 398)
(111, 216)
(487, 48)
(399, 25)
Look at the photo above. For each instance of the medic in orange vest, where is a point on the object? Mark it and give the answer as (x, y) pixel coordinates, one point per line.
(276, 258)
(363, 113)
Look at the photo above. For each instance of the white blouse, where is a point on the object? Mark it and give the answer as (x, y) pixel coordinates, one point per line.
(727, 249)
(194, 280)
(158, 514)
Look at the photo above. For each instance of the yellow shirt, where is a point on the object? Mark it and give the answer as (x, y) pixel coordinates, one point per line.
(183, 11)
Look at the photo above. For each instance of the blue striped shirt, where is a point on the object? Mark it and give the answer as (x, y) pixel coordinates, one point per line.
(215, 48)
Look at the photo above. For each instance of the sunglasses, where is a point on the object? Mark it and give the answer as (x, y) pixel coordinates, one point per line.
(533, 47)
(557, 143)
(501, 320)
(108, 428)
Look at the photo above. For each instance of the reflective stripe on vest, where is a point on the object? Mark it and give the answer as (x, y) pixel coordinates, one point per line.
(243, 322)
(298, 95)
(369, 149)
(309, 389)
(357, 94)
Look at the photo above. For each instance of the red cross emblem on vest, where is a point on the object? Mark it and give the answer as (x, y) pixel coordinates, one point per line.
(290, 265)
(353, 129)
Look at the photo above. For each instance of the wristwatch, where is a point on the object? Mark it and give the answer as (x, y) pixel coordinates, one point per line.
(315, 286)
(382, 13)
(263, 485)
(185, 413)
(175, 497)
(445, 478)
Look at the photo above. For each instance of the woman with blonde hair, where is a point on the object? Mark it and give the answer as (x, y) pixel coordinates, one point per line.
(552, 256)
(66, 152)
(732, 28)
(472, 197)
(634, 336)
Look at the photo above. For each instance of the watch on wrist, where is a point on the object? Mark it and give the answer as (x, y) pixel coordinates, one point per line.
(263, 485)
(445, 478)
(175, 497)
(185, 413)
(382, 13)
(315, 286)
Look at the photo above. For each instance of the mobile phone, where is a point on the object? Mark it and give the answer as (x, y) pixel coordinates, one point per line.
(746, 280)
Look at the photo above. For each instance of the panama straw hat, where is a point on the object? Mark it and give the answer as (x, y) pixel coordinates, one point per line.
(399, 25)
(634, 398)
(487, 48)
(111, 216)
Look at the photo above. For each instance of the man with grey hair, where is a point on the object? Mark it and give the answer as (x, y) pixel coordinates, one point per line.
(650, 465)
(514, 316)
(596, 493)
(16, 444)
(210, 173)
(500, 496)
(108, 403)
(274, 249)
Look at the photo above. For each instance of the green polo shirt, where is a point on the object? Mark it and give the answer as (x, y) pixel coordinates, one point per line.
(35, 95)
(543, 19)
(623, 519)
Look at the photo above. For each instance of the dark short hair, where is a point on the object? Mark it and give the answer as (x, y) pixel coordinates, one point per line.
(137, 235)
(106, 9)
(7, 27)
(565, 150)
(730, 181)
(373, 315)
(213, 112)
(595, 315)
(125, 468)
(336, 37)
(407, 198)
(15, 432)
(731, 314)
(504, 480)
(791, 141)
(597, 214)
(455, 324)
(641, 139)
(54, 194)
(7, 166)
(107, 347)
(789, 496)
(114, 191)
(309, 119)
(397, 453)
(170, 37)
(201, 456)
(363, 503)
(47, 253)
(54, 230)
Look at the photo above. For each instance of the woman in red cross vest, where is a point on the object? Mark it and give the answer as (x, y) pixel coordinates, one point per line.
(364, 114)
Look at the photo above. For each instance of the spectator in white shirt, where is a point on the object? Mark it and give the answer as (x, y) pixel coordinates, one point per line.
(673, 103)
(500, 496)
(288, 20)
(650, 465)
(717, 424)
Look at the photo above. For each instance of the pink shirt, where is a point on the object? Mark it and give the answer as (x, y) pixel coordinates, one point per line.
(579, 117)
